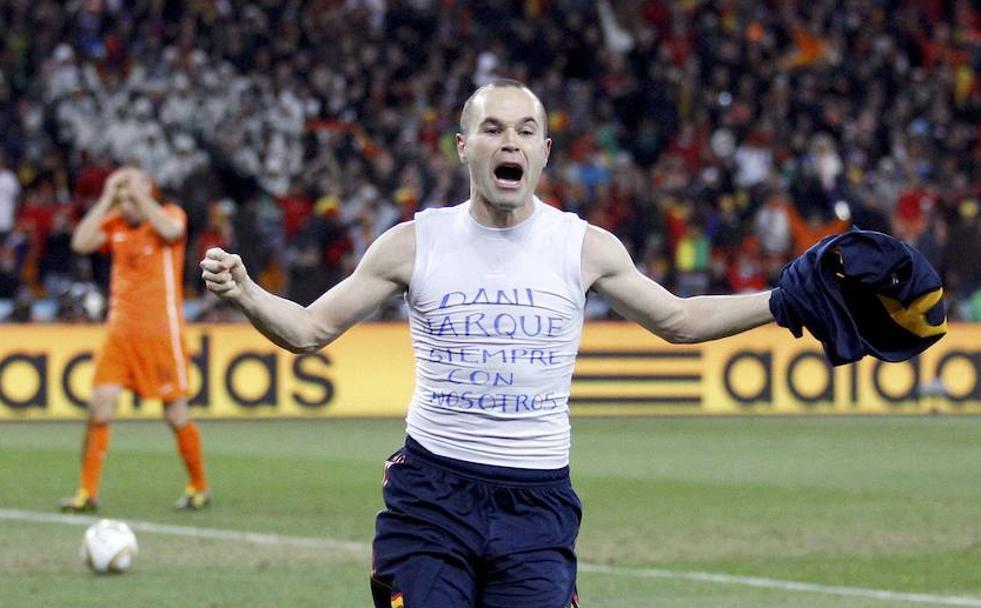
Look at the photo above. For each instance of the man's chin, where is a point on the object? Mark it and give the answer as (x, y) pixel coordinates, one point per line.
(508, 200)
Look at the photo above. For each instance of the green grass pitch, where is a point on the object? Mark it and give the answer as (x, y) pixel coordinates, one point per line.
(890, 503)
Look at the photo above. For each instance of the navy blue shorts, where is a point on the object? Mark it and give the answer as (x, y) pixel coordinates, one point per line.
(457, 534)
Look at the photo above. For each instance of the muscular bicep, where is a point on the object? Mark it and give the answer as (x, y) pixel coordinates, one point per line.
(609, 271)
(350, 301)
(384, 271)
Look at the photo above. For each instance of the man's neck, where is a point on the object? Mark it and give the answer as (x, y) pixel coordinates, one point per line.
(493, 217)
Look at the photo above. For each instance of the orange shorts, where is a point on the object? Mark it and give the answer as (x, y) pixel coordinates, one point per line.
(152, 366)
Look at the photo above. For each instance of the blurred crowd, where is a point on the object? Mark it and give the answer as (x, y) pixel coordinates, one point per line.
(717, 139)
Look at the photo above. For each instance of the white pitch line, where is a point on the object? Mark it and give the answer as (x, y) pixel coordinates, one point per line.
(769, 583)
(364, 549)
(257, 538)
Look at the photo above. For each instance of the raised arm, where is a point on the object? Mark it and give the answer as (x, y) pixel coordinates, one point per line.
(608, 269)
(88, 235)
(384, 271)
(169, 228)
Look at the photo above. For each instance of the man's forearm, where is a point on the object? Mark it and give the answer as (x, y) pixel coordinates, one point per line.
(712, 317)
(167, 227)
(284, 322)
(86, 235)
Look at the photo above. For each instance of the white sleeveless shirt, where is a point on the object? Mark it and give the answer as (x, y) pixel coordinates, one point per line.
(496, 316)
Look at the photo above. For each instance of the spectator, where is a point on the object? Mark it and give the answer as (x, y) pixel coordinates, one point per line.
(747, 271)
(808, 230)
(9, 272)
(218, 232)
(754, 160)
(692, 261)
(772, 225)
(962, 253)
(913, 208)
(9, 193)
(58, 263)
(178, 166)
(669, 115)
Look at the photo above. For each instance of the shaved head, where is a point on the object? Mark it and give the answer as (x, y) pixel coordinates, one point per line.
(504, 144)
(466, 117)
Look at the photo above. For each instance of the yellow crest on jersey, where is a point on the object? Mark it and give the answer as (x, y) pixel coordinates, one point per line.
(913, 317)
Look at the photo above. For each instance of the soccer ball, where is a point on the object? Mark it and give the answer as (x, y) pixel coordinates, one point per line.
(109, 546)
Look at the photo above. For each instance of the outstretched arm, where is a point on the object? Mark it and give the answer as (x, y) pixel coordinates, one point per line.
(608, 269)
(384, 271)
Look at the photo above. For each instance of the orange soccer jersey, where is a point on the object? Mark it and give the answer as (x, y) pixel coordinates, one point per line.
(145, 349)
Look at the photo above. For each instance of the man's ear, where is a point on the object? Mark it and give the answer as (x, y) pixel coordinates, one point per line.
(461, 147)
(548, 148)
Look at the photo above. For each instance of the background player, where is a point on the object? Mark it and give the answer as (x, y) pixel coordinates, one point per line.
(480, 510)
(144, 349)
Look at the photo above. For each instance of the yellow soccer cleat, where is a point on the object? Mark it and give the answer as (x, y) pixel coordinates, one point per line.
(193, 499)
(81, 502)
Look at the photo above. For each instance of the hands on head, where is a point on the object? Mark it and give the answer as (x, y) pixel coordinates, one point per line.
(127, 180)
(117, 182)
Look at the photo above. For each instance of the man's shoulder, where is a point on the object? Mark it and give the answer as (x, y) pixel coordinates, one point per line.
(555, 213)
(402, 233)
(603, 253)
(598, 239)
(392, 254)
(396, 243)
(437, 213)
(173, 209)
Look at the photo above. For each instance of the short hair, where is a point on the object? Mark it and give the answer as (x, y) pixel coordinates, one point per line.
(465, 115)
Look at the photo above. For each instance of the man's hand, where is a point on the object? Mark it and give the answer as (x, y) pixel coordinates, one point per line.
(224, 273)
(117, 180)
(88, 235)
(140, 183)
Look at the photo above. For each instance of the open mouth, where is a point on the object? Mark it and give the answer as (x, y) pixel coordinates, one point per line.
(508, 175)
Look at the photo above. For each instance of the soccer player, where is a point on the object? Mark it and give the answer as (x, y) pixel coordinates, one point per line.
(479, 506)
(144, 349)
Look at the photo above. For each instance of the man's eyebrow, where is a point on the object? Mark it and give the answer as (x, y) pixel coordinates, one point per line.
(496, 121)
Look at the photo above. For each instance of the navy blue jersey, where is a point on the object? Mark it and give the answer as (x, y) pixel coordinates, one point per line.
(862, 293)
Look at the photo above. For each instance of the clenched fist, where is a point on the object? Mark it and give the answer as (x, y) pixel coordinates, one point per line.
(224, 273)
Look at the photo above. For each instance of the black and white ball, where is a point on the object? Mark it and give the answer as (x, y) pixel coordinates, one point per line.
(109, 546)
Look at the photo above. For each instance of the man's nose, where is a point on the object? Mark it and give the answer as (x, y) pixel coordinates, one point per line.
(510, 141)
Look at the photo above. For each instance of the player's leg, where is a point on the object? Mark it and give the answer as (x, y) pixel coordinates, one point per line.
(197, 495)
(162, 373)
(423, 553)
(543, 578)
(112, 374)
(95, 446)
(532, 561)
(424, 581)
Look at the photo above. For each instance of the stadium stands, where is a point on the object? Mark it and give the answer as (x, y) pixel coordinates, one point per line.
(716, 139)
